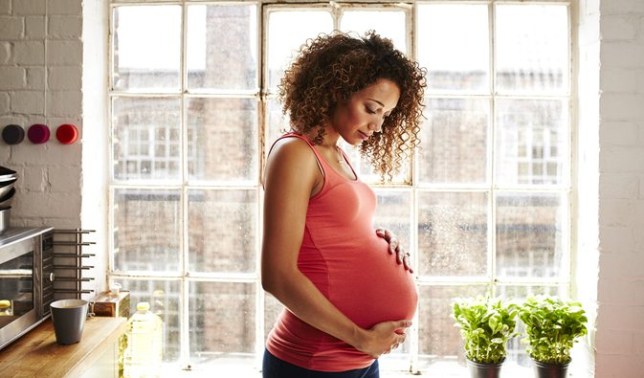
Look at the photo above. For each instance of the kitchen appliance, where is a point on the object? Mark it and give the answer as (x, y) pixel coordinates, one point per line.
(5, 214)
(7, 174)
(6, 187)
(7, 179)
(5, 202)
(26, 280)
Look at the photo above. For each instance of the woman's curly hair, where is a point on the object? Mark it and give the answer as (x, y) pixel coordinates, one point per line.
(331, 68)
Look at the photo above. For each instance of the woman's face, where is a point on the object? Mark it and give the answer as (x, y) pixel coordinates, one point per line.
(365, 111)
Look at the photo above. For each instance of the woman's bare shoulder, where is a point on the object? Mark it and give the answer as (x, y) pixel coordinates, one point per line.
(292, 161)
(292, 150)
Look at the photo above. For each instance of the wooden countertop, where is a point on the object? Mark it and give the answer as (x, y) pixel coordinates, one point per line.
(36, 354)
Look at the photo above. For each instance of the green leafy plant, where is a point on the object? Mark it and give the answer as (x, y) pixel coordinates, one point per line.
(486, 325)
(552, 327)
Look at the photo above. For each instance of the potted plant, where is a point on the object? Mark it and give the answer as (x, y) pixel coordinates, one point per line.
(485, 325)
(552, 326)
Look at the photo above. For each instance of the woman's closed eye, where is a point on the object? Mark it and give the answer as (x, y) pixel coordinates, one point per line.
(371, 111)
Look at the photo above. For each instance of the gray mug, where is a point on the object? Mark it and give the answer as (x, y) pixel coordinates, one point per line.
(68, 316)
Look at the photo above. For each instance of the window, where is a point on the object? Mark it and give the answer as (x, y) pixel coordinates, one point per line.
(483, 206)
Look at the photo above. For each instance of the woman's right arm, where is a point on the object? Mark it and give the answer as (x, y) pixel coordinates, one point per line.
(291, 177)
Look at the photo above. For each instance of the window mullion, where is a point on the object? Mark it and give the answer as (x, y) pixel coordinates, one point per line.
(184, 285)
(491, 143)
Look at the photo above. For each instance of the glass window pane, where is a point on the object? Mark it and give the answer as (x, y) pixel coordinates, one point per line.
(531, 136)
(147, 239)
(278, 122)
(272, 309)
(283, 43)
(223, 230)
(147, 55)
(146, 138)
(394, 213)
(454, 141)
(529, 235)
(519, 293)
(437, 336)
(222, 135)
(164, 299)
(532, 48)
(388, 23)
(222, 318)
(452, 237)
(222, 46)
(453, 44)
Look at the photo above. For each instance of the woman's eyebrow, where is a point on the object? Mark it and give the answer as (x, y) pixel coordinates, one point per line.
(374, 100)
(380, 103)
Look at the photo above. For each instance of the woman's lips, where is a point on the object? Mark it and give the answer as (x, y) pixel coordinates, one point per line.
(363, 135)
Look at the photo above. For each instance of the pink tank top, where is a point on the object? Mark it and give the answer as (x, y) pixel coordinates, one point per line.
(345, 259)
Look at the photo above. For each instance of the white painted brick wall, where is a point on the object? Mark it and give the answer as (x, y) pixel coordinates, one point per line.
(5, 6)
(65, 27)
(40, 82)
(5, 52)
(620, 329)
(28, 7)
(71, 7)
(11, 27)
(35, 27)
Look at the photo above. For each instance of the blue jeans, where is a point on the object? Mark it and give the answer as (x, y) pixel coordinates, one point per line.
(273, 367)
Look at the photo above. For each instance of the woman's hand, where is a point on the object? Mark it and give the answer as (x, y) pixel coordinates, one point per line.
(402, 257)
(384, 337)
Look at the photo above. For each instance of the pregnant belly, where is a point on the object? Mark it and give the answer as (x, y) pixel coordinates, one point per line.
(369, 286)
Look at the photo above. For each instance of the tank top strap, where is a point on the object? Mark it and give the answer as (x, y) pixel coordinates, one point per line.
(292, 134)
(324, 166)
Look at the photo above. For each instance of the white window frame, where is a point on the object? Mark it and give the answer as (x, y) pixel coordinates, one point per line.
(414, 187)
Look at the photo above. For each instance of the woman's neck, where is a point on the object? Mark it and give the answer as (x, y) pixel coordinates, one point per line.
(330, 138)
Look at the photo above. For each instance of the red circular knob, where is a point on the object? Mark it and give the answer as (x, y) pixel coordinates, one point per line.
(38, 133)
(67, 134)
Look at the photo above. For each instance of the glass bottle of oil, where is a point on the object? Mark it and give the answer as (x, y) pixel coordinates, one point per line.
(144, 352)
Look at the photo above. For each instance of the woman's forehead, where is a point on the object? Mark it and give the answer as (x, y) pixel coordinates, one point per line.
(384, 92)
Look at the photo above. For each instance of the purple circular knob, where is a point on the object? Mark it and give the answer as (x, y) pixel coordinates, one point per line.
(38, 133)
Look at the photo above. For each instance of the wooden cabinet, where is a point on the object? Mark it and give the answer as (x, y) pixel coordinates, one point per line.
(36, 354)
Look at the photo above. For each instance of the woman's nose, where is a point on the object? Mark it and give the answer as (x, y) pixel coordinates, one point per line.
(376, 124)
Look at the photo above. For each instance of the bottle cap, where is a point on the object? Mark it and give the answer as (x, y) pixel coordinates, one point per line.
(38, 133)
(4, 304)
(13, 134)
(142, 306)
(115, 288)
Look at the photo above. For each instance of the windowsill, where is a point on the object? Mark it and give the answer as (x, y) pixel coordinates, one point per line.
(244, 369)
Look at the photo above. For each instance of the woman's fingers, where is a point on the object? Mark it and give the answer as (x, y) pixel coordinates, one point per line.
(390, 238)
(391, 335)
(407, 262)
(402, 257)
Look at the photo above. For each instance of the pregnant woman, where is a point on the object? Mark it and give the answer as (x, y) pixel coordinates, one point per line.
(347, 298)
